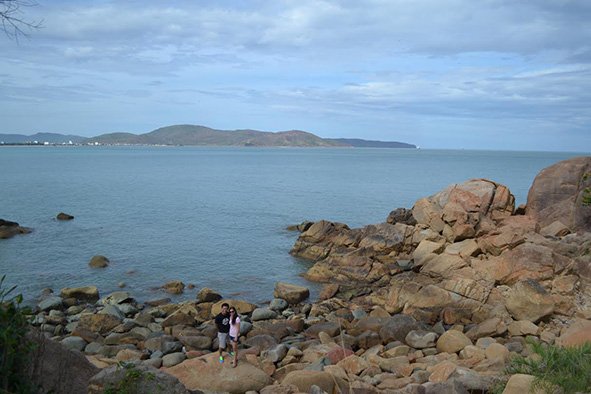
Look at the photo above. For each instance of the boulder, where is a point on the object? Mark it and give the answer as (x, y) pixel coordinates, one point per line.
(74, 343)
(262, 342)
(278, 304)
(98, 261)
(263, 314)
(426, 250)
(199, 342)
(401, 215)
(329, 290)
(317, 241)
(242, 307)
(577, 334)
(206, 373)
(100, 323)
(64, 216)
(149, 380)
(86, 293)
(523, 327)
(452, 341)
(305, 379)
(354, 266)
(56, 369)
(458, 210)
(331, 328)
(276, 353)
(173, 359)
(353, 364)
(397, 327)
(383, 238)
(208, 295)
(174, 287)
(528, 300)
(117, 298)
(561, 193)
(512, 231)
(443, 265)
(555, 229)
(9, 229)
(293, 294)
(338, 353)
(420, 339)
(52, 302)
(519, 384)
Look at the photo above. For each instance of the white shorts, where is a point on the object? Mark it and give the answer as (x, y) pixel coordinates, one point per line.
(222, 338)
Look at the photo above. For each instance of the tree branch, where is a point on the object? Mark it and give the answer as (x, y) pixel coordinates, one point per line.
(12, 22)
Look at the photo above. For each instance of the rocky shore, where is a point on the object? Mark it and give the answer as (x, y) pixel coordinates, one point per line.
(437, 299)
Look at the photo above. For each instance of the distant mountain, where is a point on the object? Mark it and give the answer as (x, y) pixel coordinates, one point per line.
(52, 138)
(204, 136)
(201, 135)
(358, 143)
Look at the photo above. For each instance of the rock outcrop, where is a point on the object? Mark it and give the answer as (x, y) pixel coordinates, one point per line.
(9, 229)
(562, 192)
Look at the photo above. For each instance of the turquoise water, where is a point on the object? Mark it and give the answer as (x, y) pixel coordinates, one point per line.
(212, 217)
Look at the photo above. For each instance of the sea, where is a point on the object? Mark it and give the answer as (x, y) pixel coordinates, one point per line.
(212, 217)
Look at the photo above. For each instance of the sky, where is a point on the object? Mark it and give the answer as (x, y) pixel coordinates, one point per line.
(453, 74)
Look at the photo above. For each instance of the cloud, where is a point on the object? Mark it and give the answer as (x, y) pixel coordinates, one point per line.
(321, 65)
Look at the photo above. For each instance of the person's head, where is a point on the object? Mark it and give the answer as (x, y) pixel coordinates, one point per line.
(233, 314)
(225, 307)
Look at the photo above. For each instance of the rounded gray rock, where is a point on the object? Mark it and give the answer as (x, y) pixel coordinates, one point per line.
(173, 359)
(263, 314)
(74, 343)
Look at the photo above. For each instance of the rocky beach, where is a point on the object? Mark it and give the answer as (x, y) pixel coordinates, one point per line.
(437, 299)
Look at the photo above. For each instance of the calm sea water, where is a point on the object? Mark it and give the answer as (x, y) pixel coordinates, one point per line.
(212, 217)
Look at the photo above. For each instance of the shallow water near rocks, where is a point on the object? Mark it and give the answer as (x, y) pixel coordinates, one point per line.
(212, 217)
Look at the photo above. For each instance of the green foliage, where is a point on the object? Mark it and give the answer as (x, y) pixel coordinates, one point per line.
(587, 190)
(14, 347)
(567, 368)
(587, 196)
(130, 384)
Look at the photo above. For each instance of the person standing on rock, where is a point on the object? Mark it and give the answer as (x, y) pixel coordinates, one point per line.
(222, 321)
(234, 333)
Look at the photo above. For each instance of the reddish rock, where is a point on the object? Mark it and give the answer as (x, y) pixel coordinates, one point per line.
(559, 193)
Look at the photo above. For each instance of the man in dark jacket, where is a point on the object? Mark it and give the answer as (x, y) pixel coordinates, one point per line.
(222, 322)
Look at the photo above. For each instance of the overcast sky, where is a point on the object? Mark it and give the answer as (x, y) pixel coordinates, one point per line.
(489, 74)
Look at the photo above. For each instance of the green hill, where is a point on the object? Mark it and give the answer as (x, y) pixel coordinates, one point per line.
(201, 135)
(205, 136)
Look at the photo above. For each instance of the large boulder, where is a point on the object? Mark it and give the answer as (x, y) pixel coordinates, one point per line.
(561, 193)
(459, 211)
(317, 241)
(147, 379)
(577, 334)
(528, 300)
(101, 323)
(98, 261)
(526, 261)
(206, 373)
(305, 379)
(86, 293)
(293, 294)
(9, 229)
(55, 369)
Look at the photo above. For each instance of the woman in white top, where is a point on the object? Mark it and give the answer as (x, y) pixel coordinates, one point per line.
(234, 333)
